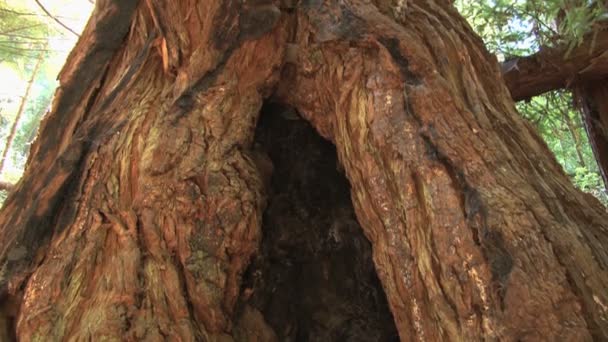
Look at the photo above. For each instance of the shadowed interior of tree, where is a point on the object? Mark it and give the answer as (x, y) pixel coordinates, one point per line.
(313, 279)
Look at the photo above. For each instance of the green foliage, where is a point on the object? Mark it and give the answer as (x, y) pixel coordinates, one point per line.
(23, 35)
(34, 112)
(521, 27)
(586, 180)
(592, 183)
(561, 127)
(26, 31)
(579, 18)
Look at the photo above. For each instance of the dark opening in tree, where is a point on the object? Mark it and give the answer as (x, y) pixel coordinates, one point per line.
(314, 278)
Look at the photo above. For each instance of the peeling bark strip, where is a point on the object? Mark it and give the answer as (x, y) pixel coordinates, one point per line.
(51, 163)
(140, 209)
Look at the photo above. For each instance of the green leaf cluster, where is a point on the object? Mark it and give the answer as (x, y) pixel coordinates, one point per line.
(520, 27)
(561, 126)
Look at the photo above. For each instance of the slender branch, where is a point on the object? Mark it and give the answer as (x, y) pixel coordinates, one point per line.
(6, 10)
(20, 28)
(56, 20)
(20, 42)
(10, 47)
(17, 53)
(22, 36)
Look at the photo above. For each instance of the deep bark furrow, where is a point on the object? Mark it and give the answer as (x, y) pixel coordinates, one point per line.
(48, 189)
(114, 192)
(499, 285)
(134, 68)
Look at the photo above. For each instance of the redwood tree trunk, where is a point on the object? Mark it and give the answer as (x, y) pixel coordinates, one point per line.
(593, 100)
(142, 202)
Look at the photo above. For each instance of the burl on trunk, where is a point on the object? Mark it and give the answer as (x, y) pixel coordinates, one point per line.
(142, 212)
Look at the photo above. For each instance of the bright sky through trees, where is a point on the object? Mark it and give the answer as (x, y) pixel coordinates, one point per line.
(25, 32)
(73, 13)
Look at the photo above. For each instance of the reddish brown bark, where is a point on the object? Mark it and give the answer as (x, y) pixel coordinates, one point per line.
(140, 219)
(444, 174)
(593, 100)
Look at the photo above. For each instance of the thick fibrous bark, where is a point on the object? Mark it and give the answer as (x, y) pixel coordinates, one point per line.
(141, 206)
(476, 231)
(593, 100)
(164, 203)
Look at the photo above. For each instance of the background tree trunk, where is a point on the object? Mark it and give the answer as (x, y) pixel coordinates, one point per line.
(142, 202)
(477, 232)
(593, 100)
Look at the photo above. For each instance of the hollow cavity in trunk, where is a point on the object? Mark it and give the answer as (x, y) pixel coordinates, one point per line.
(313, 279)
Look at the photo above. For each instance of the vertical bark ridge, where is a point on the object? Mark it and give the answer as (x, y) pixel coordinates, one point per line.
(29, 226)
(168, 201)
(419, 119)
(592, 100)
